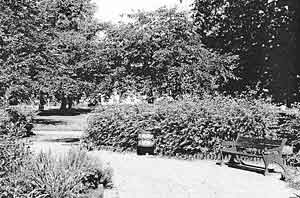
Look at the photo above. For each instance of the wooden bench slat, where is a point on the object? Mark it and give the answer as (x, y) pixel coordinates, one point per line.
(259, 141)
(257, 146)
(241, 143)
(240, 153)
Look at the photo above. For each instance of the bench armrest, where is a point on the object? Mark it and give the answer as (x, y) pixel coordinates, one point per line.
(278, 149)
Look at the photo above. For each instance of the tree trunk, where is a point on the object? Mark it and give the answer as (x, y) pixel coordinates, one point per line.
(150, 97)
(63, 106)
(70, 102)
(42, 102)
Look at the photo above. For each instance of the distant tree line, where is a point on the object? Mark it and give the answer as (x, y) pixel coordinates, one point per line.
(57, 49)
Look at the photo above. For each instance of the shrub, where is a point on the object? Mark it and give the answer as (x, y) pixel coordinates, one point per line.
(16, 121)
(17, 94)
(68, 175)
(185, 127)
(293, 178)
(13, 155)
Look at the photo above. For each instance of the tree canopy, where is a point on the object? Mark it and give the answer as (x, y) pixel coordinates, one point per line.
(23, 49)
(45, 48)
(72, 44)
(263, 33)
(161, 53)
(57, 49)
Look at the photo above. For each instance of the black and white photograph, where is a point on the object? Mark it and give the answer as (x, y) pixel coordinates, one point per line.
(149, 99)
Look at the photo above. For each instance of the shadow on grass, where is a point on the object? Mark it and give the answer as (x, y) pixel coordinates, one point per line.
(69, 112)
(48, 122)
(248, 167)
(64, 140)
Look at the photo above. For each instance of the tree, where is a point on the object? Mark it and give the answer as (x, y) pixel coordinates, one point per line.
(160, 53)
(22, 48)
(73, 31)
(262, 33)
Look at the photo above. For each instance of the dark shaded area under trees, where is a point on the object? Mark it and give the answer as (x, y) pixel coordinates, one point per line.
(264, 33)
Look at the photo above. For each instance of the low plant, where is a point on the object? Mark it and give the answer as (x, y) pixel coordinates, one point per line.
(72, 175)
(293, 178)
(13, 156)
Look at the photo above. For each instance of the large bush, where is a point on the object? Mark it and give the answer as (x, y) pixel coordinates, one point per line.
(185, 127)
(16, 121)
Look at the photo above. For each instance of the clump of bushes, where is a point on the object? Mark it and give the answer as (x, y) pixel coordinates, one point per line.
(16, 121)
(71, 175)
(13, 155)
(294, 177)
(185, 127)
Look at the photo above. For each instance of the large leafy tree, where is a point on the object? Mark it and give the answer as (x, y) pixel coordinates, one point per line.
(23, 49)
(71, 47)
(161, 53)
(46, 48)
(262, 33)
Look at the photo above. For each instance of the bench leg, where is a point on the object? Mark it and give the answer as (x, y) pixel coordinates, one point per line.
(266, 162)
(275, 159)
(232, 159)
(222, 159)
(279, 161)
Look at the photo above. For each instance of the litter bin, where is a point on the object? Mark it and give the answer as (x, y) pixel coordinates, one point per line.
(146, 143)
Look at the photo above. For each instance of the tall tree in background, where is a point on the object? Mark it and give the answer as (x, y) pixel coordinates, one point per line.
(23, 49)
(46, 47)
(71, 47)
(262, 33)
(160, 53)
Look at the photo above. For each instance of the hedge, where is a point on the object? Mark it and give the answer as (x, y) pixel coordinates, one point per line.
(189, 126)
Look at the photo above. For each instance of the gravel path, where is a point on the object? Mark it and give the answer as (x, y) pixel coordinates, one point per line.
(153, 177)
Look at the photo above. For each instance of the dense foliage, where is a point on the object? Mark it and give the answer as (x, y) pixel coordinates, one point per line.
(71, 46)
(16, 122)
(57, 49)
(188, 126)
(13, 155)
(45, 50)
(263, 33)
(22, 47)
(160, 53)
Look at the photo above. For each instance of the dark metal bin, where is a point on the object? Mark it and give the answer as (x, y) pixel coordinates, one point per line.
(146, 143)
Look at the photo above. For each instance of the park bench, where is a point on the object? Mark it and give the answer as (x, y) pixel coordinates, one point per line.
(269, 150)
